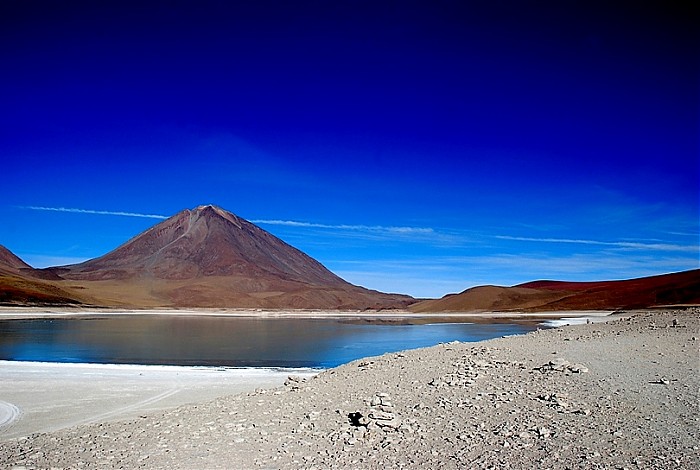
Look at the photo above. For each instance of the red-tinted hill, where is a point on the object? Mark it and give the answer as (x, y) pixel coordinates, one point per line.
(669, 289)
(666, 289)
(10, 261)
(19, 285)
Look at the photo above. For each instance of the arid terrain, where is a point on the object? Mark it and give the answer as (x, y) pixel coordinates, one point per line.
(622, 394)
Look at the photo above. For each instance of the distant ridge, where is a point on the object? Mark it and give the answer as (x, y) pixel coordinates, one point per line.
(668, 289)
(10, 262)
(20, 286)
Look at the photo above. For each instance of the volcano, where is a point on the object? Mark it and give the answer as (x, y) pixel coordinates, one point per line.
(209, 257)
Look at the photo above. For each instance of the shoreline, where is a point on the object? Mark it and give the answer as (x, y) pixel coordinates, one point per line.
(22, 313)
(158, 367)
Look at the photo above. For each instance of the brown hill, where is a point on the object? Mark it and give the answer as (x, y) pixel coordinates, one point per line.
(208, 257)
(10, 262)
(487, 298)
(668, 289)
(18, 285)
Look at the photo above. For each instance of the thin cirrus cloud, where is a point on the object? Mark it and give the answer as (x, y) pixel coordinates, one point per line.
(618, 244)
(367, 228)
(90, 211)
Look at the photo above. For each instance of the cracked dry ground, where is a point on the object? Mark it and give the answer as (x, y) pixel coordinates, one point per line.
(618, 395)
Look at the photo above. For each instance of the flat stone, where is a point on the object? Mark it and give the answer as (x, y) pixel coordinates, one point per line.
(558, 363)
(381, 415)
(393, 424)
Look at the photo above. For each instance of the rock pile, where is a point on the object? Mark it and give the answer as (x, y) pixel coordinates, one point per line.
(467, 370)
(380, 419)
(562, 365)
(382, 413)
(294, 382)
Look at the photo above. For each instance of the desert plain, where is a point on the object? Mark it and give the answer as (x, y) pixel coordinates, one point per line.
(617, 394)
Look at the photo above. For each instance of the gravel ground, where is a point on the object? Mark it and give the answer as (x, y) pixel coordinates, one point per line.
(622, 394)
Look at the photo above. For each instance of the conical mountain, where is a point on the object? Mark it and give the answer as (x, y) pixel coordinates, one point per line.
(206, 241)
(209, 257)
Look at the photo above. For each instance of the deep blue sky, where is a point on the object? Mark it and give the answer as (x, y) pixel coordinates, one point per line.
(417, 147)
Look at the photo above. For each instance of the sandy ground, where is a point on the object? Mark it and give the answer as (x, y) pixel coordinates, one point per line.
(622, 394)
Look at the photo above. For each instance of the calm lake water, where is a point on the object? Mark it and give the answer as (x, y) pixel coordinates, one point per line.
(219, 341)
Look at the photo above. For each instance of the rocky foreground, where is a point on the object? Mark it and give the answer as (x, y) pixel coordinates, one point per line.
(618, 395)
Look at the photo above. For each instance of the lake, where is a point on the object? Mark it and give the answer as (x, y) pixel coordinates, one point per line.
(227, 341)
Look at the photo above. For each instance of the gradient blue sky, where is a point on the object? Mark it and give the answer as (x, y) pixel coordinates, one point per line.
(414, 147)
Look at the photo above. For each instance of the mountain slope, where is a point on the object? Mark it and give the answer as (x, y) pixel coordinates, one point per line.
(10, 262)
(20, 286)
(667, 289)
(488, 298)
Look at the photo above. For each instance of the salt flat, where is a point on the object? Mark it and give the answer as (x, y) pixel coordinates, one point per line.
(41, 397)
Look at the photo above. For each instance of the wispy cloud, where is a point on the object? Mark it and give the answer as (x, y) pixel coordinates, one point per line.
(96, 212)
(361, 228)
(618, 244)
